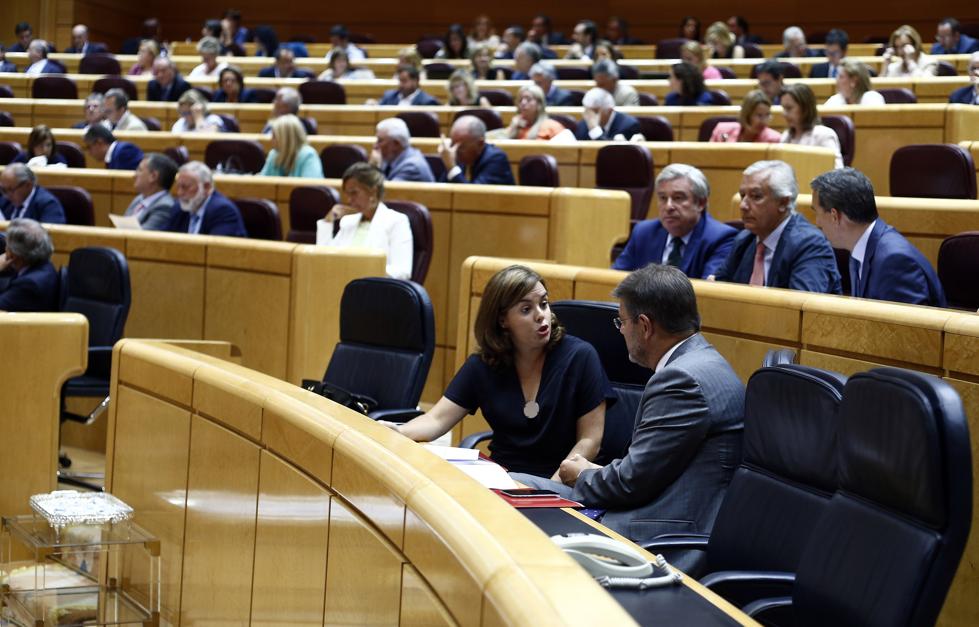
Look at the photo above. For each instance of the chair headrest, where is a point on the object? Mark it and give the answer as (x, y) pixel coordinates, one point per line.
(99, 274)
(591, 321)
(386, 312)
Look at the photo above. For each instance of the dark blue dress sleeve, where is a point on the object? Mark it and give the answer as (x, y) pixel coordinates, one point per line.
(464, 390)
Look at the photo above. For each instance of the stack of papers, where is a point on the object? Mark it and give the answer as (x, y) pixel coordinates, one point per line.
(489, 474)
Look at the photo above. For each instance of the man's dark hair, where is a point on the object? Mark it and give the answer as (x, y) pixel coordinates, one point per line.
(848, 191)
(591, 29)
(770, 67)
(340, 31)
(664, 294)
(213, 28)
(165, 168)
(21, 27)
(410, 69)
(839, 37)
(518, 32)
(98, 132)
(742, 24)
(544, 18)
(234, 15)
(952, 23)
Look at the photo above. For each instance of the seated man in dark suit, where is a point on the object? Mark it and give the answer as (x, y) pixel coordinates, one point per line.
(102, 145)
(167, 85)
(686, 442)
(951, 40)
(200, 209)
(685, 235)
(37, 59)
(544, 75)
(601, 121)
(524, 58)
(24, 198)
(970, 93)
(80, 43)
(284, 66)
(883, 265)
(24, 35)
(778, 247)
(836, 44)
(468, 150)
(6, 66)
(33, 285)
(794, 41)
(407, 92)
(94, 111)
(394, 155)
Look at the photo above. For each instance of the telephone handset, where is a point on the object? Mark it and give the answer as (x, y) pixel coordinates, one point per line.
(613, 563)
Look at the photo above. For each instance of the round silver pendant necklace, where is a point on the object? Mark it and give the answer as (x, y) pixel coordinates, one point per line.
(531, 409)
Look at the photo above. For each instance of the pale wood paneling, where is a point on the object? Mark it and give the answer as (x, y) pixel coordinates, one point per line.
(419, 605)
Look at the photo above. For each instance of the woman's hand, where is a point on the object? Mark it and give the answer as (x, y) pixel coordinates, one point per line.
(197, 112)
(338, 211)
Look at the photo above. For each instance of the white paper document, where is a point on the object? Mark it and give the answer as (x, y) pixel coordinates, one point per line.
(124, 222)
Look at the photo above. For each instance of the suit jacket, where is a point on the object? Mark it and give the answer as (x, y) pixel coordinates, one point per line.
(389, 231)
(410, 165)
(803, 260)
(819, 70)
(419, 99)
(221, 217)
(154, 91)
(125, 156)
(34, 290)
(492, 167)
(966, 45)
(558, 97)
(710, 242)
(622, 124)
(685, 446)
(247, 95)
(156, 216)
(50, 67)
(895, 270)
(130, 122)
(93, 48)
(963, 95)
(269, 72)
(44, 207)
(7, 66)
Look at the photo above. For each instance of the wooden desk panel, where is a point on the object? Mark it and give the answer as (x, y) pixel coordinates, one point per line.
(419, 605)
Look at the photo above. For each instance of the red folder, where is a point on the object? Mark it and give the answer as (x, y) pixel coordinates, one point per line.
(538, 501)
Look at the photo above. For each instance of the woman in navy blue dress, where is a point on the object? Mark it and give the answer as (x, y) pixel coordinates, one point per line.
(544, 393)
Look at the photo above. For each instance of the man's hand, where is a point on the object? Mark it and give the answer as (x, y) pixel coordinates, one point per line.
(572, 467)
(375, 158)
(591, 118)
(448, 153)
(5, 262)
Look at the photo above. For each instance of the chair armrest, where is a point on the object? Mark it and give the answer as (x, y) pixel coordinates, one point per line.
(743, 587)
(395, 415)
(471, 440)
(677, 541)
(772, 611)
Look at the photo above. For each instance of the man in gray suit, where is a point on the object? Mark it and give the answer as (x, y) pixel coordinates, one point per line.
(395, 157)
(153, 180)
(687, 439)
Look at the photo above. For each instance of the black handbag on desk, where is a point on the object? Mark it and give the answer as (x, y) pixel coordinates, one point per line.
(357, 402)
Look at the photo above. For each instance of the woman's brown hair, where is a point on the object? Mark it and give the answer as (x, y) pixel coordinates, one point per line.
(38, 134)
(806, 100)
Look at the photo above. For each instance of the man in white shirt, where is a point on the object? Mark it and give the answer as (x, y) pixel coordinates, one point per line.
(37, 55)
(340, 40)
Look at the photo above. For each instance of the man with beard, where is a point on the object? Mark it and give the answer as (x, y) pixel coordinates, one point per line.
(200, 209)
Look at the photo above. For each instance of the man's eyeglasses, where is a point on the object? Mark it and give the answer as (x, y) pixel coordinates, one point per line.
(618, 322)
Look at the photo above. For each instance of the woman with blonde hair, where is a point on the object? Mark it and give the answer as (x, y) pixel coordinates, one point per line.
(194, 116)
(463, 91)
(409, 55)
(722, 42)
(752, 124)
(904, 57)
(531, 121)
(693, 53)
(802, 118)
(291, 155)
(853, 86)
(148, 51)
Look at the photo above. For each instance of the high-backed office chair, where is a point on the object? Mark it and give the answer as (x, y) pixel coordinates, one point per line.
(76, 202)
(438, 70)
(229, 122)
(489, 117)
(306, 206)
(752, 51)
(6, 119)
(421, 123)
(958, 266)
(669, 48)
(421, 234)
(568, 121)
(336, 158)
(152, 124)
(946, 69)
(8, 152)
(263, 96)
(655, 128)
(323, 92)
(106, 83)
(206, 92)
(719, 98)
(384, 352)
(497, 97)
(789, 70)
(437, 165)
(311, 125)
(933, 171)
(786, 479)
(628, 167)
(626, 72)
(898, 95)
(726, 72)
(842, 125)
(71, 152)
(707, 126)
(179, 154)
(99, 63)
(235, 156)
(429, 47)
(48, 86)
(573, 74)
(778, 357)
(6, 92)
(261, 218)
(539, 171)
(886, 548)
(648, 100)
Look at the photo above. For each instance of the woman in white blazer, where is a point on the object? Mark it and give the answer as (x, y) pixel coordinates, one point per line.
(365, 221)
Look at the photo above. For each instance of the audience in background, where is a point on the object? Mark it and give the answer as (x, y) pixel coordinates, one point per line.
(394, 155)
(231, 86)
(692, 52)
(266, 41)
(778, 247)
(167, 85)
(239, 34)
(463, 91)
(34, 283)
(531, 121)
(24, 34)
(291, 154)
(42, 149)
(837, 41)
(118, 117)
(513, 36)
(407, 92)
(103, 146)
(883, 265)
(904, 57)
(5, 65)
(209, 49)
(80, 43)
(455, 45)
(340, 40)
(687, 87)
(802, 118)
(543, 74)
(739, 27)
(689, 28)
(604, 50)
(149, 50)
(409, 55)
(950, 40)
(722, 42)
(524, 58)
(340, 69)
(483, 33)
(794, 42)
(542, 34)
(853, 86)
(37, 59)
(684, 235)
(201, 209)
(482, 69)
(94, 111)
(752, 124)
(287, 101)
(770, 80)
(585, 36)
(617, 32)
(152, 181)
(970, 93)
(606, 75)
(600, 120)
(24, 198)
(466, 151)
(284, 66)
(522, 346)
(194, 115)
(365, 221)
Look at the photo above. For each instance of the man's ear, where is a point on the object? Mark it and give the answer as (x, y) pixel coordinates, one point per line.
(646, 325)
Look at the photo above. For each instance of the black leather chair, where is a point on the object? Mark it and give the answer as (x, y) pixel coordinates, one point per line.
(384, 352)
(76, 202)
(338, 157)
(707, 126)
(152, 124)
(898, 95)
(6, 119)
(719, 98)
(958, 266)
(648, 100)
(421, 123)
(778, 357)
(497, 97)
(229, 122)
(789, 70)
(263, 96)
(628, 167)
(437, 165)
(8, 152)
(48, 86)
(179, 154)
(573, 74)
(323, 92)
(726, 72)
(539, 171)
(842, 125)
(933, 171)
(946, 69)
(306, 206)
(99, 63)
(886, 548)
(206, 92)
(6, 92)
(655, 128)
(669, 48)
(568, 121)
(106, 83)
(421, 234)
(490, 118)
(626, 72)
(71, 152)
(438, 70)
(234, 156)
(261, 218)
(577, 95)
